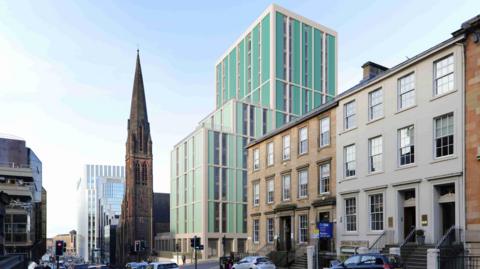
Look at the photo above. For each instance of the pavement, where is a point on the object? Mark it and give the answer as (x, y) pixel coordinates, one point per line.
(211, 264)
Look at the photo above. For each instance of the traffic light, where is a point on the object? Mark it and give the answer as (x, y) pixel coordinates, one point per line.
(195, 242)
(59, 248)
(143, 246)
(137, 246)
(64, 247)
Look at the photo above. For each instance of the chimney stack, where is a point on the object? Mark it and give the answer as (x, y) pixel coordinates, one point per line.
(371, 69)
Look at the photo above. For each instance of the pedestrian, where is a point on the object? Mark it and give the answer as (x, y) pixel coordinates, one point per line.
(183, 258)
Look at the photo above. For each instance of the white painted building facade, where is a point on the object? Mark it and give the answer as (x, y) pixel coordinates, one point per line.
(400, 151)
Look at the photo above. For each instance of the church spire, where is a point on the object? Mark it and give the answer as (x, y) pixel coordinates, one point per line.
(138, 109)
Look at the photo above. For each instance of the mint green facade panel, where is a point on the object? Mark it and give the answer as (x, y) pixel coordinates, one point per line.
(198, 216)
(295, 100)
(280, 119)
(225, 80)
(173, 193)
(181, 219)
(230, 218)
(219, 84)
(266, 48)
(173, 164)
(190, 154)
(181, 191)
(231, 185)
(279, 46)
(256, 97)
(189, 227)
(279, 92)
(255, 56)
(241, 69)
(173, 220)
(317, 60)
(258, 122)
(331, 54)
(307, 55)
(329, 98)
(211, 183)
(232, 74)
(239, 150)
(240, 219)
(197, 183)
(211, 217)
(198, 147)
(210, 147)
(265, 96)
(239, 118)
(231, 152)
(181, 154)
(227, 112)
(269, 120)
(189, 179)
(296, 62)
(317, 99)
(306, 98)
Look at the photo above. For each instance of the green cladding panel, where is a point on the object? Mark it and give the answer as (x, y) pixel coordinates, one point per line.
(255, 56)
(230, 218)
(280, 119)
(256, 97)
(295, 100)
(266, 48)
(181, 218)
(241, 69)
(295, 52)
(317, 60)
(240, 219)
(173, 220)
(232, 74)
(331, 56)
(197, 183)
(307, 55)
(317, 99)
(265, 95)
(211, 217)
(197, 207)
(219, 84)
(279, 93)
(225, 80)
(279, 46)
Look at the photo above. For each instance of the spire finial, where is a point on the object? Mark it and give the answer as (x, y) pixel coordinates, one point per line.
(138, 50)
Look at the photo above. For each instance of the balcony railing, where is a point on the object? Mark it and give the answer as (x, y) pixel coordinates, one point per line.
(14, 165)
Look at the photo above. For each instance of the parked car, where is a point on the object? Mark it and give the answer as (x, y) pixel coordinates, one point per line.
(371, 260)
(162, 265)
(136, 265)
(254, 262)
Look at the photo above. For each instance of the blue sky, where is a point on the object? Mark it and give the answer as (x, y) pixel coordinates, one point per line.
(66, 70)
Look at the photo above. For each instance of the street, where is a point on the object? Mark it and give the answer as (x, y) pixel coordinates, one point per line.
(202, 265)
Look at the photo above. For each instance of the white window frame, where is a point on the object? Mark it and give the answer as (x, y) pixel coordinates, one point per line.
(372, 106)
(443, 135)
(403, 146)
(270, 191)
(381, 220)
(303, 186)
(286, 194)
(270, 230)
(373, 153)
(256, 193)
(256, 231)
(348, 215)
(400, 86)
(270, 154)
(448, 74)
(347, 161)
(286, 147)
(303, 230)
(349, 115)
(324, 178)
(303, 140)
(256, 159)
(324, 132)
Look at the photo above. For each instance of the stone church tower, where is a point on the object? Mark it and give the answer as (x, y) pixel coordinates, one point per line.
(136, 219)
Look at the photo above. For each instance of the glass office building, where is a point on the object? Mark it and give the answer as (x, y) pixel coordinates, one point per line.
(94, 191)
(282, 67)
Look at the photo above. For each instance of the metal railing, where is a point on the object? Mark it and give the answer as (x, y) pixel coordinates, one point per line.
(14, 165)
(459, 262)
(410, 235)
(450, 247)
(449, 238)
(382, 240)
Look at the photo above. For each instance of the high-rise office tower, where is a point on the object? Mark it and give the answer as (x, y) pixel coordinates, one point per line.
(89, 197)
(282, 67)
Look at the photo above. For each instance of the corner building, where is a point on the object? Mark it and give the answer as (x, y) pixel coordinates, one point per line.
(291, 184)
(281, 68)
(400, 152)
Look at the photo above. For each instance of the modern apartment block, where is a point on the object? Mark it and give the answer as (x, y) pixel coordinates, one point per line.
(291, 184)
(281, 68)
(99, 197)
(24, 218)
(400, 151)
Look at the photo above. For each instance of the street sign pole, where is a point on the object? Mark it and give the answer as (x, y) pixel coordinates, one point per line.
(195, 250)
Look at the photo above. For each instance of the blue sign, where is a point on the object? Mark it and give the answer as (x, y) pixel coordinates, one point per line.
(325, 229)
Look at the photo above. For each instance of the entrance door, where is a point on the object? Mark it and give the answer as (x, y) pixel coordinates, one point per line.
(285, 233)
(324, 243)
(408, 221)
(448, 216)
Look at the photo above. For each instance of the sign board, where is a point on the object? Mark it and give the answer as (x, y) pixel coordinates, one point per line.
(200, 247)
(325, 229)
(315, 234)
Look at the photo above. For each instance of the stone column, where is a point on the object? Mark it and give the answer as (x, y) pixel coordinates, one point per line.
(310, 257)
(432, 258)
